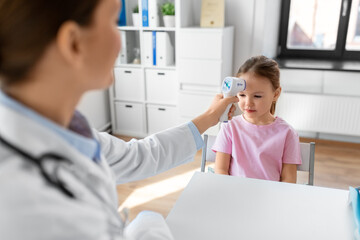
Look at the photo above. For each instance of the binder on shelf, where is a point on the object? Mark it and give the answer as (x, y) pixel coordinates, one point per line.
(128, 45)
(145, 13)
(154, 18)
(122, 17)
(164, 50)
(154, 47)
(148, 49)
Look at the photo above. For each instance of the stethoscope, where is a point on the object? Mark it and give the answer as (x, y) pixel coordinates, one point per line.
(38, 162)
(57, 183)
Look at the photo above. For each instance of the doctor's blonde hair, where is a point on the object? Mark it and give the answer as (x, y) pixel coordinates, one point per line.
(28, 27)
(265, 67)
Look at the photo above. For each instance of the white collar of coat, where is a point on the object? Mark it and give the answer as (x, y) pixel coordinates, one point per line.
(36, 140)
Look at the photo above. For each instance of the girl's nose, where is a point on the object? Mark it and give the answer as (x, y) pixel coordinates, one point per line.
(249, 103)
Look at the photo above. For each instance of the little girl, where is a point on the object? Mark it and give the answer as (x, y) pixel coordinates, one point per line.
(257, 144)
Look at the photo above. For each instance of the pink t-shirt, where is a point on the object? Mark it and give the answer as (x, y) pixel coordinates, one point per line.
(258, 151)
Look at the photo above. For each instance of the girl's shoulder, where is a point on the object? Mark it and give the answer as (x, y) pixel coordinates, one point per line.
(234, 125)
(235, 121)
(282, 124)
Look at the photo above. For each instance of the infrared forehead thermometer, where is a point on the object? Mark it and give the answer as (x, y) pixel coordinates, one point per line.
(230, 87)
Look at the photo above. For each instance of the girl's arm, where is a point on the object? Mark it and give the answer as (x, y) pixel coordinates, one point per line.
(288, 173)
(222, 163)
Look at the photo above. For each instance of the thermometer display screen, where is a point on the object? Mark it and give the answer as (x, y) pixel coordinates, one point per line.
(227, 85)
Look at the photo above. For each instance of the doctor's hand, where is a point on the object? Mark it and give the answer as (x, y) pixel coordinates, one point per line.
(212, 116)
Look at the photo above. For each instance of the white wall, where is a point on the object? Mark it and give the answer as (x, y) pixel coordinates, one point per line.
(256, 28)
(95, 106)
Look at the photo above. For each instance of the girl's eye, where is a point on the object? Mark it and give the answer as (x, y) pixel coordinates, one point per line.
(242, 95)
(258, 96)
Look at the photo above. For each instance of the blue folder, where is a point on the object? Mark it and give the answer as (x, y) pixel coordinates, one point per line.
(122, 17)
(145, 13)
(154, 47)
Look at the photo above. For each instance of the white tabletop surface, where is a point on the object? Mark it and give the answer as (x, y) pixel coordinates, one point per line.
(222, 207)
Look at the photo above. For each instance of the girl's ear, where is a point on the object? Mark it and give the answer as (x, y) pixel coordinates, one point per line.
(277, 94)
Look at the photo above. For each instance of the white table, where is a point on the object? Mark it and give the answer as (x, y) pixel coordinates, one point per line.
(222, 207)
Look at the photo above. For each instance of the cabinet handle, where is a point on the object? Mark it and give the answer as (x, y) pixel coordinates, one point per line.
(128, 106)
(161, 73)
(161, 109)
(127, 71)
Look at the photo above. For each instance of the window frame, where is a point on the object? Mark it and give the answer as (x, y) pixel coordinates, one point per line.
(339, 53)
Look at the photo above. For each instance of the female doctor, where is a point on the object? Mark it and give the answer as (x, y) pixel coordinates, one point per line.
(57, 175)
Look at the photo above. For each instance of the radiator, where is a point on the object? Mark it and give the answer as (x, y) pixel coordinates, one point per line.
(320, 113)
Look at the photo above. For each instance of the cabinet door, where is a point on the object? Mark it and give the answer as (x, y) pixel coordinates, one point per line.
(161, 117)
(130, 118)
(200, 43)
(201, 72)
(193, 104)
(161, 86)
(129, 84)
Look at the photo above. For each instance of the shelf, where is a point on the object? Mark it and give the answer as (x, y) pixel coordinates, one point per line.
(128, 65)
(167, 29)
(128, 28)
(132, 28)
(160, 104)
(161, 67)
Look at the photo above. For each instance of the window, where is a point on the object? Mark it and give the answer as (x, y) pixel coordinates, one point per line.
(327, 29)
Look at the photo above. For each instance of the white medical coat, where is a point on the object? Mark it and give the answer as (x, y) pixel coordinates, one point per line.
(31, 208)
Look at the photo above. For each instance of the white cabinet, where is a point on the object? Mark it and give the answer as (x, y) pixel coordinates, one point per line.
(195, 43)
(208, 60)
(130, 118)
(204, 58)
(200, 72)
(161, 86)
(193, 103)
(129, 84)
(160, 117)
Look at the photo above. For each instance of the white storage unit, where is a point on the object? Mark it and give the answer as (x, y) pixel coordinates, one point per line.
(161, 86)
(129, 84)
(202, 58)
(160, 117)
(129, 117)
(138, 87)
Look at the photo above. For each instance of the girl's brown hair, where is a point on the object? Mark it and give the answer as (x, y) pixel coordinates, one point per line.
(28, 27)
(265, 67)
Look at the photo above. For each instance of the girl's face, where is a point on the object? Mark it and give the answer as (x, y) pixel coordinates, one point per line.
(256, 100)
(102, 45)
